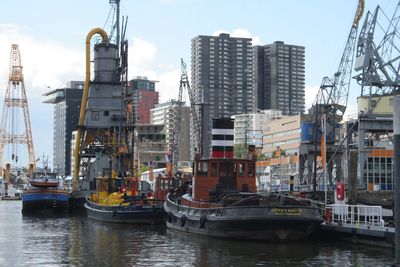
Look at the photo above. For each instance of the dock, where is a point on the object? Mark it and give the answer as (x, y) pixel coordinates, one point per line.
(358, 224)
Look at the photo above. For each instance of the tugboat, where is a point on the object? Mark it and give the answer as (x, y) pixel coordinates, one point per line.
(128, 200)
(222, 200)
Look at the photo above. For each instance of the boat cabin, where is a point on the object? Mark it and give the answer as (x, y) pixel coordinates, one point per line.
(214, 177)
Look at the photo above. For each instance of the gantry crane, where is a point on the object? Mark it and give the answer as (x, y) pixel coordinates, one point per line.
(331, 103)
(378, 66)
(14, 100)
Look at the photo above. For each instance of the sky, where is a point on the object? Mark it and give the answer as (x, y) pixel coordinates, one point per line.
(51, 36)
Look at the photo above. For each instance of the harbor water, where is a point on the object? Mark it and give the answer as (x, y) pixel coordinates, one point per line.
(74, 240)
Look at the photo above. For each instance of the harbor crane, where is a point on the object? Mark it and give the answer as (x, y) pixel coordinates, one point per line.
(15, 100)
(331, 103)
(334, 92)
(184, 85)
(378, 67)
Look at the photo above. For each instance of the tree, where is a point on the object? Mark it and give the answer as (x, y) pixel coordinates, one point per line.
(240, 151)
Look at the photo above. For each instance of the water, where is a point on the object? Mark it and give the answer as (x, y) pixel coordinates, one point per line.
(78, 241)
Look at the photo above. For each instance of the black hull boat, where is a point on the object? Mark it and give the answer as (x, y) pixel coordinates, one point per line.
(146, 213)
(126, 204)
(221, 199)
(255, 220)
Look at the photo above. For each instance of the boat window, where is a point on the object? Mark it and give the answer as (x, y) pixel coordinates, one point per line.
(223, 169)
(165, 184)
(202, 168)
(227, 169)
(214, 169)
(241, 169)
(250, 169)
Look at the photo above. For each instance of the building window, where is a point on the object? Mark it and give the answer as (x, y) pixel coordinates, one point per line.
(94, 115)
(106, 113)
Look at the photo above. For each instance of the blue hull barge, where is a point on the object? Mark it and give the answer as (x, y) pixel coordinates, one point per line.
(45, 194)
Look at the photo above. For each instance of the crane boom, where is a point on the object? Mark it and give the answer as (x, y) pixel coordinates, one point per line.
(334, 92)
(330, 106)
(194, 110)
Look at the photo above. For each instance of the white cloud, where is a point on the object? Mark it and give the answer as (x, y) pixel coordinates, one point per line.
(45, 63)
(241, 33)
(169, 85)
(351, 112)
(142, 55)
(311, 92)
(143, 62)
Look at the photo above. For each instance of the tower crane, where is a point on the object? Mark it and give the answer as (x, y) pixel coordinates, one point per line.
(331, 101)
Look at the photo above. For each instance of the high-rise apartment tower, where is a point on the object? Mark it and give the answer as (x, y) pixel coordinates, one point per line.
(221, 79)
(279, 77)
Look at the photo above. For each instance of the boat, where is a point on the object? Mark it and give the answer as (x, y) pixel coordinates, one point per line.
(228, 206)
(9, 192)
(46, 192)
(128, 200)
(222, 201)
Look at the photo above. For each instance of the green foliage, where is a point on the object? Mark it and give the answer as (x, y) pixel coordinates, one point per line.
(261, 156)
(143, 168)
(279, 153)
(240, 151)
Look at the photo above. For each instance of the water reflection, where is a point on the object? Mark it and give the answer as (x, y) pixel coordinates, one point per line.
(217, 252)
(77, 241)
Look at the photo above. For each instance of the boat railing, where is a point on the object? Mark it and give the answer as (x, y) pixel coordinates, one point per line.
(194, 208)
(355, 215)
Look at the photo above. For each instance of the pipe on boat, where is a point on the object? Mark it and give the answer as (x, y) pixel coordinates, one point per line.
(89, 36)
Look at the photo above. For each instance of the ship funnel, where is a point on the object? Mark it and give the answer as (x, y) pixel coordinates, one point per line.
(105, 63)
(222, 138)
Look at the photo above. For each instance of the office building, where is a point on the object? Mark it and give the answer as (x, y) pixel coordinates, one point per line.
(279, 77)
(249, 127)
(151, 145)
(67, 102)
(165, 114)
(221, 79)
(144, 98)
